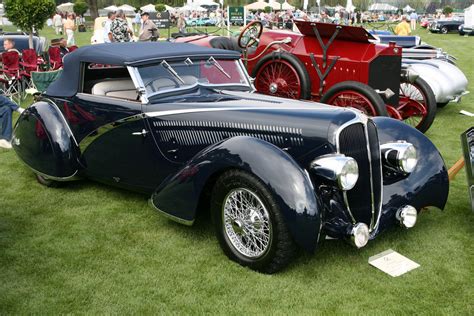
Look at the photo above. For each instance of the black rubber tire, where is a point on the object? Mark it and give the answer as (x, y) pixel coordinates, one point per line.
(368, 92)
(444, 30)
(281, 249)
(442, 104)
(425, 88)
(295, 63)
(47, 182)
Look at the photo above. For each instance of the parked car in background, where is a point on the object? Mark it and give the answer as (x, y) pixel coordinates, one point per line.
(180, 123)
(21, 39)
(201, 22)
(426, 22)
(445, 26)
(466, 30)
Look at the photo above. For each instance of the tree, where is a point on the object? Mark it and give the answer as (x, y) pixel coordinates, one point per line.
(267, 9)
(447, 10)
(80, 7)
(29, 15)
(160, 7)
(94, 8)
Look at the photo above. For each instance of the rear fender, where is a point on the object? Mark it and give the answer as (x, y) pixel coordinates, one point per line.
(43, 140)
(179, 195)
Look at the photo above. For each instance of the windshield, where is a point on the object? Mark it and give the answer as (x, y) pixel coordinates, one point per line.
(166, 77)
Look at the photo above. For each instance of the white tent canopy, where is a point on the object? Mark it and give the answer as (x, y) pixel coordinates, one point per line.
(66, 7)
(382, 7)
(260, 5)
(287, 6)
(148, 8)
(407, 8)
(206, 2)
(127, 9)
(111, 8)
(191, 7)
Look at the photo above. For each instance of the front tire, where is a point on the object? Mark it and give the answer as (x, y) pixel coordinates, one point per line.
(249, 224)
(357, 95)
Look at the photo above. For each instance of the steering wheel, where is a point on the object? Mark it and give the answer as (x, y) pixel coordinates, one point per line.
(250, 34)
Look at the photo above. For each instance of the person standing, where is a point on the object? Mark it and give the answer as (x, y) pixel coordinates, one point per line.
(148, 30)
(413, 19)
(119, 28)
(403, 28)
(6, 109)
(181, 24)
(108, 23)
(69, 28)
(58, 23)
(137, 21)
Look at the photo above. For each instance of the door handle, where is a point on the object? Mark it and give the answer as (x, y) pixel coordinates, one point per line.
(142, 133)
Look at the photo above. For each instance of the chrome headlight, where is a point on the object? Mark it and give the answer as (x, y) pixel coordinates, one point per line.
(400, 156)
(339, 168)
(360, 235)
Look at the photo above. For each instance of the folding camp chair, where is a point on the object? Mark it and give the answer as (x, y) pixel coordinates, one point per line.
(29, 62)
(41, 80)
(11, 76)
(55, 59)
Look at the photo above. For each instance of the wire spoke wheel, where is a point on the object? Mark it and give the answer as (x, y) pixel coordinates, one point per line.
(354, 99)
(279, 78)
(413, 105)
(247, 223)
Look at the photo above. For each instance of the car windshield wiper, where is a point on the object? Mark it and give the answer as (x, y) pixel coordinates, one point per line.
(170, 69)
(213, 62)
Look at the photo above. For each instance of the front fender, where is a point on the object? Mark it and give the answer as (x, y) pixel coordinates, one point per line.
(288, 182)
(427, 185)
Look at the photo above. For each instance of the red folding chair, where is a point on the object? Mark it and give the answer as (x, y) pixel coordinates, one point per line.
(11, 76)
(55, 58)
(29, 62)
(72, 48)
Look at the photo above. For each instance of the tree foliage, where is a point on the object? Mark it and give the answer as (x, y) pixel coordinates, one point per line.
(80, 7)
(29, 15)
(160, 7)
(447, 10)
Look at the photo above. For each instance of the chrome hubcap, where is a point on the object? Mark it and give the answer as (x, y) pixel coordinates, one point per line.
(246, 223)
(273, 87)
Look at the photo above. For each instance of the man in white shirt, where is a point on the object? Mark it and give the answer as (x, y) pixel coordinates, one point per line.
(58, 23)
(107, 24)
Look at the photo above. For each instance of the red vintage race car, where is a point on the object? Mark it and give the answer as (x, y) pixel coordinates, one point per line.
(333, 64)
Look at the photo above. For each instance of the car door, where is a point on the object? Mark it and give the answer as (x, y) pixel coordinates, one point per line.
(116, 146)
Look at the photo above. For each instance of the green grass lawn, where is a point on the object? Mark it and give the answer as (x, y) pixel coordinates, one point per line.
(88, 248)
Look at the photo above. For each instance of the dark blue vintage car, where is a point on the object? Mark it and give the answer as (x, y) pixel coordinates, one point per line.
(180, 123)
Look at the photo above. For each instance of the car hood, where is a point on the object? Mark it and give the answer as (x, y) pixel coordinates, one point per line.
(303, 129)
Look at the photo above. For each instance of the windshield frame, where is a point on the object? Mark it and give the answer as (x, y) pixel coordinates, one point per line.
(139, 82)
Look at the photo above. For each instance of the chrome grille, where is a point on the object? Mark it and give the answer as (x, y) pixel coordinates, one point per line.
(360, 141)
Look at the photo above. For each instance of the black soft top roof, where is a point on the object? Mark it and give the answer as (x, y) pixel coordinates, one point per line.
(126, 54)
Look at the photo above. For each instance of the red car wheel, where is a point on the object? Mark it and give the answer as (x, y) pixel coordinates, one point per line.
(282, 75)
(356, 95)
(417, 104)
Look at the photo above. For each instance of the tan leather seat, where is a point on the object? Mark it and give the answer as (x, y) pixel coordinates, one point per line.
(122, 88)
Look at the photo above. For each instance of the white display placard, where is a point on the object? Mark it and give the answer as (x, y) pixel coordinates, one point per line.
(392, 263)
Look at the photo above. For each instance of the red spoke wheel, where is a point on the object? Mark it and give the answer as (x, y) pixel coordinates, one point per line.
(356, 95)
(417, 104)
(393, 113)
(282, 75)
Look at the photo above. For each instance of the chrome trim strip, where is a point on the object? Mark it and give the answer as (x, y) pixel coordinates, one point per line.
(138, 82)
(187, 111)
(369, 154)
(169, 216)
(379, 207)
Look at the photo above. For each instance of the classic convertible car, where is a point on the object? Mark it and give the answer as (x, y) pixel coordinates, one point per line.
(180, 123)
